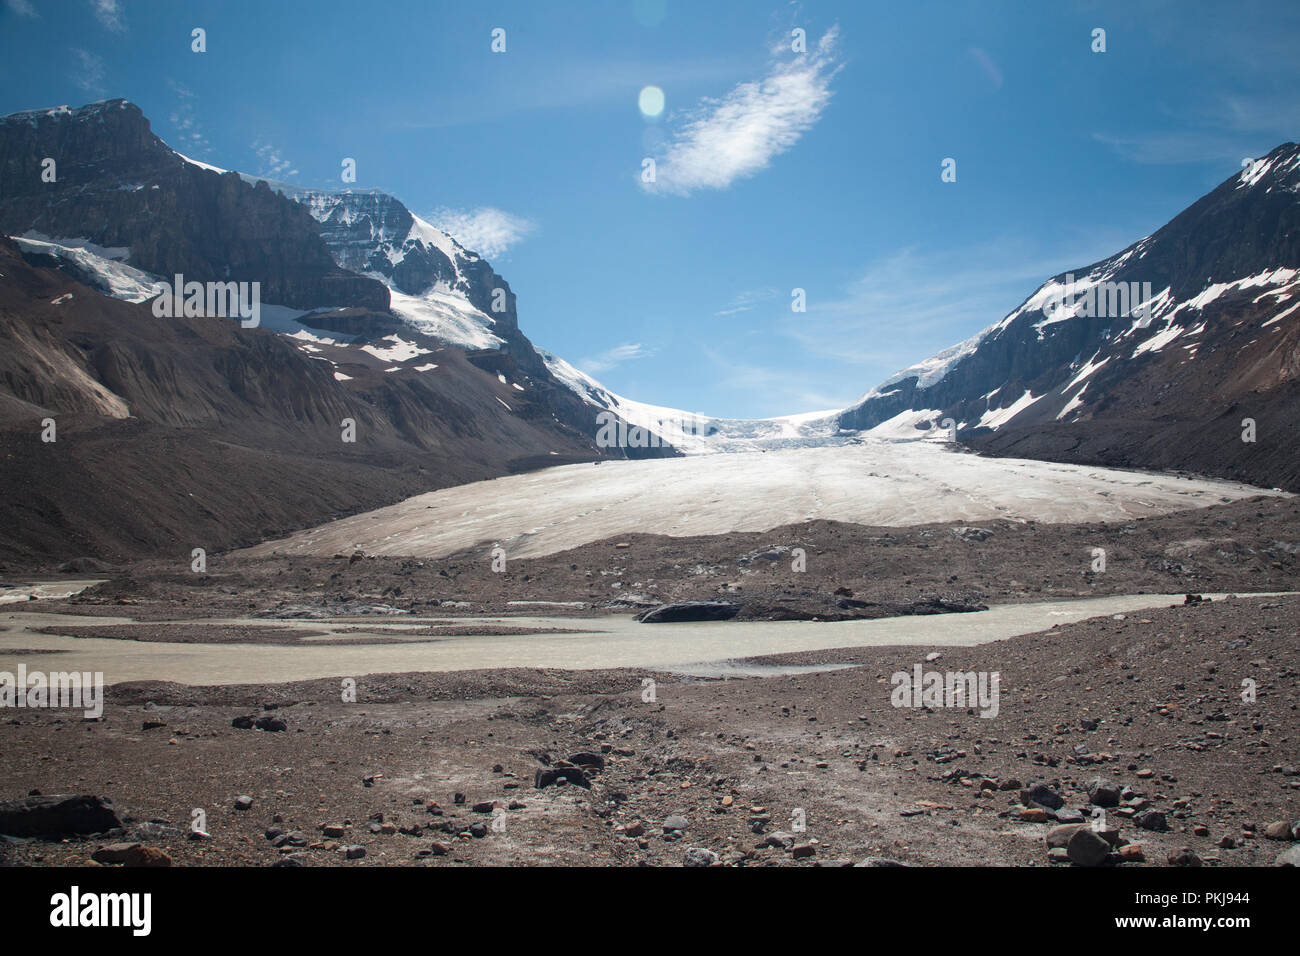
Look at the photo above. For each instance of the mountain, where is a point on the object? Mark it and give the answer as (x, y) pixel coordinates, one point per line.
(116, 185)
(351, 267)
(434, 283)
(175, 433)
(1151, 358)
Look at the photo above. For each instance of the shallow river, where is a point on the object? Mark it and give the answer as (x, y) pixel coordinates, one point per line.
(706, 649)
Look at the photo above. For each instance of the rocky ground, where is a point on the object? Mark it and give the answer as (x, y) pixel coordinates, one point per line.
(1145, 717)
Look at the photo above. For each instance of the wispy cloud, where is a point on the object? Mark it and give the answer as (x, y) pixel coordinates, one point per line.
(189, 133)
(485, 230)
(928, 301)
(89, 72)
(109, 14)
(1224, 129)
(986, 64)
(747, 300)
(737, 136)
(22, 8)
(272, 163)
(613, 357)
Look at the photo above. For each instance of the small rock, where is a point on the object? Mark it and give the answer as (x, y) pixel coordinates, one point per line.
(588, 759)
(1060, 836)
(1151, 820)
(146, 856)
(698, 856)
(1087, 848)
(880, 861)
(113, 853)
(1289, 857)
(1042, 794)
(1103, 793)
(1278, 830)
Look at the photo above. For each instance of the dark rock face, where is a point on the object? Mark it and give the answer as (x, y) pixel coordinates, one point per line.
(118, 185)
(57, 816)
(1106, 391)
(690, 611)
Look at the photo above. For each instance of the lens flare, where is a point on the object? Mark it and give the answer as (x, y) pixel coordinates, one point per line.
(651, 101)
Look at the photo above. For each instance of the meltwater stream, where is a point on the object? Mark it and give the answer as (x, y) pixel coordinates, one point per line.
(703, 649)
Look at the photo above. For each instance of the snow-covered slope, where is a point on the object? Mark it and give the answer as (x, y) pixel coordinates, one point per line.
(438, 286)
(695, 433)
(100, 268)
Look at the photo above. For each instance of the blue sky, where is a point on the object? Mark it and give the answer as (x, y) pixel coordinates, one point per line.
(775, 170)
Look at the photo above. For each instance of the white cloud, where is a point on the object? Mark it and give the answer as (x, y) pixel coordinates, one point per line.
(22, 8)
(723, 140)
(273, 165)
(109, 13)
(616, 356)
(89, 74)
(485, 230)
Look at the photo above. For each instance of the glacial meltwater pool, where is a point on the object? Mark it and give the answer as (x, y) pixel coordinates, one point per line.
(703, 649)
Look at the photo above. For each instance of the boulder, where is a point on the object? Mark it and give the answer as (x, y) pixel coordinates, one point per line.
(683, 611)
(57, 815)
(1103, 793)
(546, 776)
